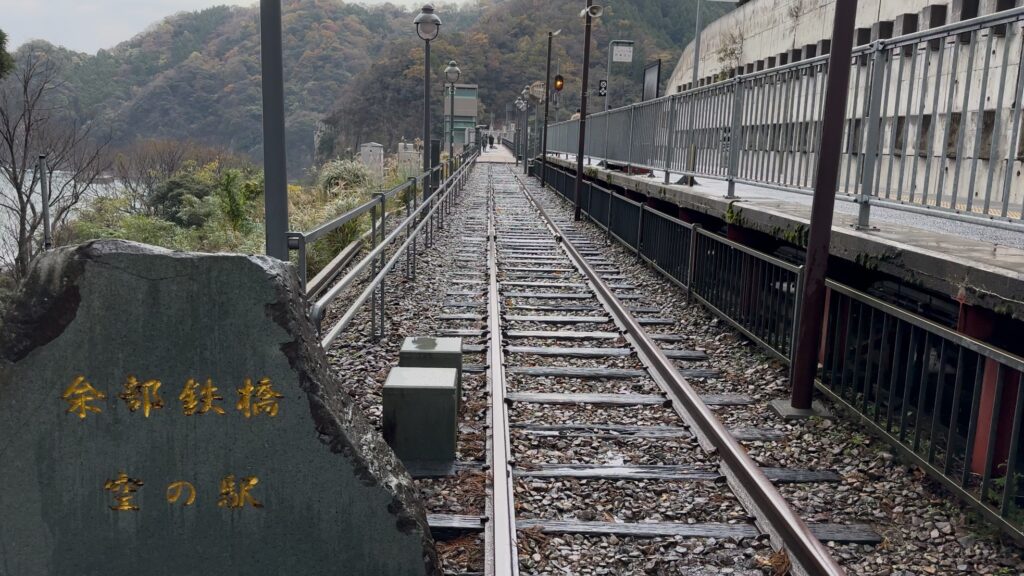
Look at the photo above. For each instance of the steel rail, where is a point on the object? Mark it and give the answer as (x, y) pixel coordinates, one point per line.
(318, 307)
(772, 514)
(502, 558)
(434, 202)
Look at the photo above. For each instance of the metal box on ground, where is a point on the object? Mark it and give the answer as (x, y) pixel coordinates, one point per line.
(421, 414)
(430, 352)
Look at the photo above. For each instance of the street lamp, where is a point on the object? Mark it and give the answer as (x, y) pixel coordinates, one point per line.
(588, 14)
(521, 125)
(547, 98)
(623, 55)
(526, 124)
(427, 26)
(452, 73)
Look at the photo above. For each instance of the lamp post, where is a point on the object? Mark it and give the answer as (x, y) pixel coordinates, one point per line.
(519, 130)
(275, 199)
(451, 73)
(526, 126)
(608, 71)
(547, 99)
(427, 26)
(588, 14)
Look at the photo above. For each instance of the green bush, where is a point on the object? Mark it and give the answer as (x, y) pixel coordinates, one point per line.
(342, 174)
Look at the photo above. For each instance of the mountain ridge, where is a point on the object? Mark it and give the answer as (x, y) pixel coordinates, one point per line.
(196, 75)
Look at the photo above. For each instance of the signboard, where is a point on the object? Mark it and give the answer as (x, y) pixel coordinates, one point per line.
(537, 90)
(652, 80)
(602, 88)
(622, 52)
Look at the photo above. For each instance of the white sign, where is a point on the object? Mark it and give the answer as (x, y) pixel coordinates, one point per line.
(622, 52)
(537, 90)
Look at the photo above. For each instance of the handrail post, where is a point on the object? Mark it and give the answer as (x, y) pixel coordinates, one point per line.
(669, 136)
(874, 127)
(640, 229)
(734, 131)
(629, 153)
(415, 240)
(297, 241)
(408, 230)
(373, 266)
(383, 235)
(691, 273)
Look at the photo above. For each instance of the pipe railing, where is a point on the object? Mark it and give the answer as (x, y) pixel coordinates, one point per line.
(426, 216)
(377, 207)
(949, 403)
(933, 125)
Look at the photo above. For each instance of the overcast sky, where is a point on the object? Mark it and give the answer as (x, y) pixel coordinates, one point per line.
(88, 25)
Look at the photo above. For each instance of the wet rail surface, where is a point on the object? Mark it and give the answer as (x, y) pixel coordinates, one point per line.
(596, 461)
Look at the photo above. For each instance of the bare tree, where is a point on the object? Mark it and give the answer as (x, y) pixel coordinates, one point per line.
(32, 122)
(142, 167)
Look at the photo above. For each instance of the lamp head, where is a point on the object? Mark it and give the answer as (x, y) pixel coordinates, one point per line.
(427, 23)
(452, 72)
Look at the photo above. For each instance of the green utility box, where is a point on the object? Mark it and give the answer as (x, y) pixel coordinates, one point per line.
(421, 414)
(430, 352)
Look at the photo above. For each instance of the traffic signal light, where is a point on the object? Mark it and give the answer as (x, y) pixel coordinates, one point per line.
(559, 83)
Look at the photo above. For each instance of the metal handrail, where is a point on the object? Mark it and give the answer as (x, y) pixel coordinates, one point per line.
(1011, 361)
(339, 221)
(849, 351)
(746, 249)
(430, 205)
(298, 240)
(772, 135)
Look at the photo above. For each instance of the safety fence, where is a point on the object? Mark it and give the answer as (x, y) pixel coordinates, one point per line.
(423, 215)
(377, 210)
(933, 124)
(949, 403)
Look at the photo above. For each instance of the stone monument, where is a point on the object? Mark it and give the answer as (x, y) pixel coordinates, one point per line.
(167, 413)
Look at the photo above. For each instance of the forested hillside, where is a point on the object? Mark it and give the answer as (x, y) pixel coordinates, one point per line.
(196, 75)
(505, 49)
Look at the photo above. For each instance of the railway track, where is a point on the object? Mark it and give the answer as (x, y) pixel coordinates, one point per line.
(588, 406)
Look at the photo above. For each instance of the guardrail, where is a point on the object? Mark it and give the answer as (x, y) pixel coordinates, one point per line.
(425, 216)
(377, 208)
(933, 125)
(951, 404)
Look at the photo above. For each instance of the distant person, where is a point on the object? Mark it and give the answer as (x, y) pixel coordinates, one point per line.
(490, 141)
(576, 115)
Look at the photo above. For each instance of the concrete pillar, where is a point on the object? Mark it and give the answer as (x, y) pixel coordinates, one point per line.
(430, 352)
(933, 16)
(881, 30)
(905, 24)
(420, 417)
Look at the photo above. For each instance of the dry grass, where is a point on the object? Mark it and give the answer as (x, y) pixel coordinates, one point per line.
(778, 563)
(465, 552)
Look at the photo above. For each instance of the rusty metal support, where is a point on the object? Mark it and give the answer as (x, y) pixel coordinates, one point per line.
(804, 365)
